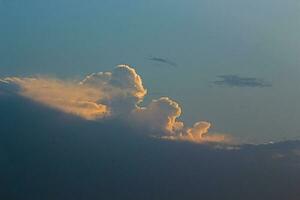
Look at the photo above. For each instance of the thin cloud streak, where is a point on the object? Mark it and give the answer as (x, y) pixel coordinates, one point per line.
(163, 60)
(238, 81)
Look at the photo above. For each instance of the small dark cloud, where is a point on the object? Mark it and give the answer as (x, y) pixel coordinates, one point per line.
(238, 81)
(163, 60)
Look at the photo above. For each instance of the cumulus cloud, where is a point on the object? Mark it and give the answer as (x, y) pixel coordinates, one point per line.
(123, 88)
(115, 94)
(160, 115)
(199, 134)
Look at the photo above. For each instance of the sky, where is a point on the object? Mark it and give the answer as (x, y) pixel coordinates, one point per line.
(181, 49)
(160, 99)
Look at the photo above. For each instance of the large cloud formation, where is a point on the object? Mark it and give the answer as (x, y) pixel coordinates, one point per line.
(115, 94)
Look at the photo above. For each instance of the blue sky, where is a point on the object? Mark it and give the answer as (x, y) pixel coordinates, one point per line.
(258, 38)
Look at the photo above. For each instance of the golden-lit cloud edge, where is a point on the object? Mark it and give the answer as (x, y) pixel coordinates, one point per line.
(115, 94)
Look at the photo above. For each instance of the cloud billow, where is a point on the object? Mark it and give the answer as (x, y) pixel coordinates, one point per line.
(113, 95)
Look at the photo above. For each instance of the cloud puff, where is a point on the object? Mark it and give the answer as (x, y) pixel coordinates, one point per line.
(160, 115)
(123, 88)
(199, 134)
(115, 94)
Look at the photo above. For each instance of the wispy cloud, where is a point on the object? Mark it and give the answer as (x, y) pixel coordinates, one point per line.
(163, 60)
(239, 81)
(69, 97)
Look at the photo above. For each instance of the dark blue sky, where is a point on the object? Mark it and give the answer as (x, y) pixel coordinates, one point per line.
(52, 155)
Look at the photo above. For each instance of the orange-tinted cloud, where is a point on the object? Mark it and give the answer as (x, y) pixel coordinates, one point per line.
(65, 96)
(160, 115)
(115, 94)
(123, 89)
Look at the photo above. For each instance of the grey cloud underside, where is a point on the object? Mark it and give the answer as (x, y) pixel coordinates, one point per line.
(163, 60)
(47, 154)
(238, 81)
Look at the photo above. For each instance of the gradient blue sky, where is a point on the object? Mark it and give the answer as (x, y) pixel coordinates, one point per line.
(207, 38)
